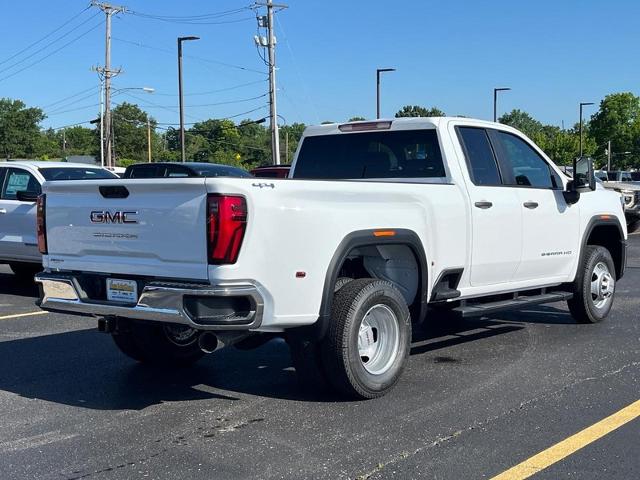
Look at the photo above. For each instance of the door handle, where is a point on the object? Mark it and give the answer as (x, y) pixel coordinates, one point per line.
(531, 205)
(3, 210)
(483, 204)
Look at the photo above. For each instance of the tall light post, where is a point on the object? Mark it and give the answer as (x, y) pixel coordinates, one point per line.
(582, 104)
(495, 101)
(180, 94)
(378, 72)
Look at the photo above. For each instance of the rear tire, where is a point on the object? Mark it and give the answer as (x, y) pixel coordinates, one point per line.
(368, 342)
(154, 344)
(594, 287)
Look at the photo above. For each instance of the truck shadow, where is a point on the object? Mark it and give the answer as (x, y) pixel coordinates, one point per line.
(83, 368)
(10, 284)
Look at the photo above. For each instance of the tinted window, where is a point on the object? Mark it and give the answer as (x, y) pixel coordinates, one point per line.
(19, 181)
(525, 167)
(144, 172)
(389, 154)
(73, 173)
(220, 171)
(480, 159)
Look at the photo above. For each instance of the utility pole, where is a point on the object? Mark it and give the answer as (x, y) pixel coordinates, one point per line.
(609, 156)
(64, 142)
(109, 11)
(270, 43)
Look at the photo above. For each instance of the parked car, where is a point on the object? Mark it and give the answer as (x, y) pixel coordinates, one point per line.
(186, 169)
(380, 220)
(271, 171)
(622, 182)
(20, 185)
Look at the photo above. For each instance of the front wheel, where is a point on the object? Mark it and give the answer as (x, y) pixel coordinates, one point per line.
(594, 287)
(159, 344)
(368, 342)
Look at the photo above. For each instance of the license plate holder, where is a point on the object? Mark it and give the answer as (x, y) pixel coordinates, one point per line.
(123, 291)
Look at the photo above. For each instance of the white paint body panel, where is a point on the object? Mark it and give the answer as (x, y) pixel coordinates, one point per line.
(297, 225)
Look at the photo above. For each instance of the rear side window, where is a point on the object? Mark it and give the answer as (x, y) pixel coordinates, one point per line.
(75, 173)
(388, 154)
(145, 172)
(481, 161)
(525, 167)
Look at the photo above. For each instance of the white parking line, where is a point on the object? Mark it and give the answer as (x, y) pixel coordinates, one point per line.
(18, 315)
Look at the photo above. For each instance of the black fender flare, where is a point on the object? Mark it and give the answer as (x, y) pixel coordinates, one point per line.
(363, 238)
(605, 220)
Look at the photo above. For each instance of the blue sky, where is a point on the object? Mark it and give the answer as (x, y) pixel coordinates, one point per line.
(553, 54)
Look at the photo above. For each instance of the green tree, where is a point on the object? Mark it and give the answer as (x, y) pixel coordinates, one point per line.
(522, 121)
(19, 131)
(618, 120)
(418, 111)
(130, 132)
(80, 141)
(357, 119)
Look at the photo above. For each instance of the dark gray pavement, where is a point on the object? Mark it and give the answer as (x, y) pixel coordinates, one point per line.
(477, 398)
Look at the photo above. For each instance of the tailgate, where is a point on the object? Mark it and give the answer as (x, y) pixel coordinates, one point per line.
(136, 227)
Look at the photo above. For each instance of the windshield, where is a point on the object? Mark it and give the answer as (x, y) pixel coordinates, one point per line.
(52, 174)
(389, 154)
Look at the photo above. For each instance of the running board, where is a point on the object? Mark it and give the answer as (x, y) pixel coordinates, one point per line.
(477, 309)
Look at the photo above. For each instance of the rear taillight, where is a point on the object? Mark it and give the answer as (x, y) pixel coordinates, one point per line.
(41, 224)
(227, 222)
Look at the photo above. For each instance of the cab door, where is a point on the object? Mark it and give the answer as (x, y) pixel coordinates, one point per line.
(550, 226)
(18, 218)
(496, 216)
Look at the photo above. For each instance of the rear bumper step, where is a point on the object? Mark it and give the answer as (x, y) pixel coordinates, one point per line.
(232, 306)
(478, 309)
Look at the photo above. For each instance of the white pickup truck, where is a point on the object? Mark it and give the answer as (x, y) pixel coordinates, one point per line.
(378, 222)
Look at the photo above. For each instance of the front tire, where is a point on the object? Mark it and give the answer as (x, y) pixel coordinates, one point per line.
(368, 342)
(158, 344)
(594, 287)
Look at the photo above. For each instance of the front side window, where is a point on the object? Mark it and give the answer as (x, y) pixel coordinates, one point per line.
(481, 162)
(19, 181)
(386, 154)
(523, 165)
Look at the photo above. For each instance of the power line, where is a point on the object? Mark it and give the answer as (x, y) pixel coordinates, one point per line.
(67, 22)
(48, 45)
(172, 53)
(228, 102)
(56, 110)
(226, 89)
(67, 98)
(49, 54)
(197, 19)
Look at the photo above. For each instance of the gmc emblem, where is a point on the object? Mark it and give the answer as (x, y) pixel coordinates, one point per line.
(105, 216)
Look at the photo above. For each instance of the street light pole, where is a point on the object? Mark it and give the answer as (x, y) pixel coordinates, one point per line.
(180, 94)
(495, 101)
(378, 72)
(582, 104)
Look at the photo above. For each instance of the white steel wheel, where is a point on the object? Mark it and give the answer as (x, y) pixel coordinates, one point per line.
(602, 285)
(378, 339)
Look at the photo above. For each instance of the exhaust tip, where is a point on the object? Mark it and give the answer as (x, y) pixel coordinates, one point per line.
(208, 342)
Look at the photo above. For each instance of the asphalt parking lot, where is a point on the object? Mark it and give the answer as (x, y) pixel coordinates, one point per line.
(478, 398)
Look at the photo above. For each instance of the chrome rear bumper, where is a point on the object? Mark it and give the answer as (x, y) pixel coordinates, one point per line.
(159, 302)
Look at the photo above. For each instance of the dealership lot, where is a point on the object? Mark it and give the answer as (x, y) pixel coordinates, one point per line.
(478, 398)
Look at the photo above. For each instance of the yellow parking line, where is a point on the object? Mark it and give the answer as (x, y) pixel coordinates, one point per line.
(571, 445)
(18, 315)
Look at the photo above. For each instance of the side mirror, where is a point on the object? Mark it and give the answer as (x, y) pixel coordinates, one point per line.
(26, 196)
(571, 195)
(584, 179)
